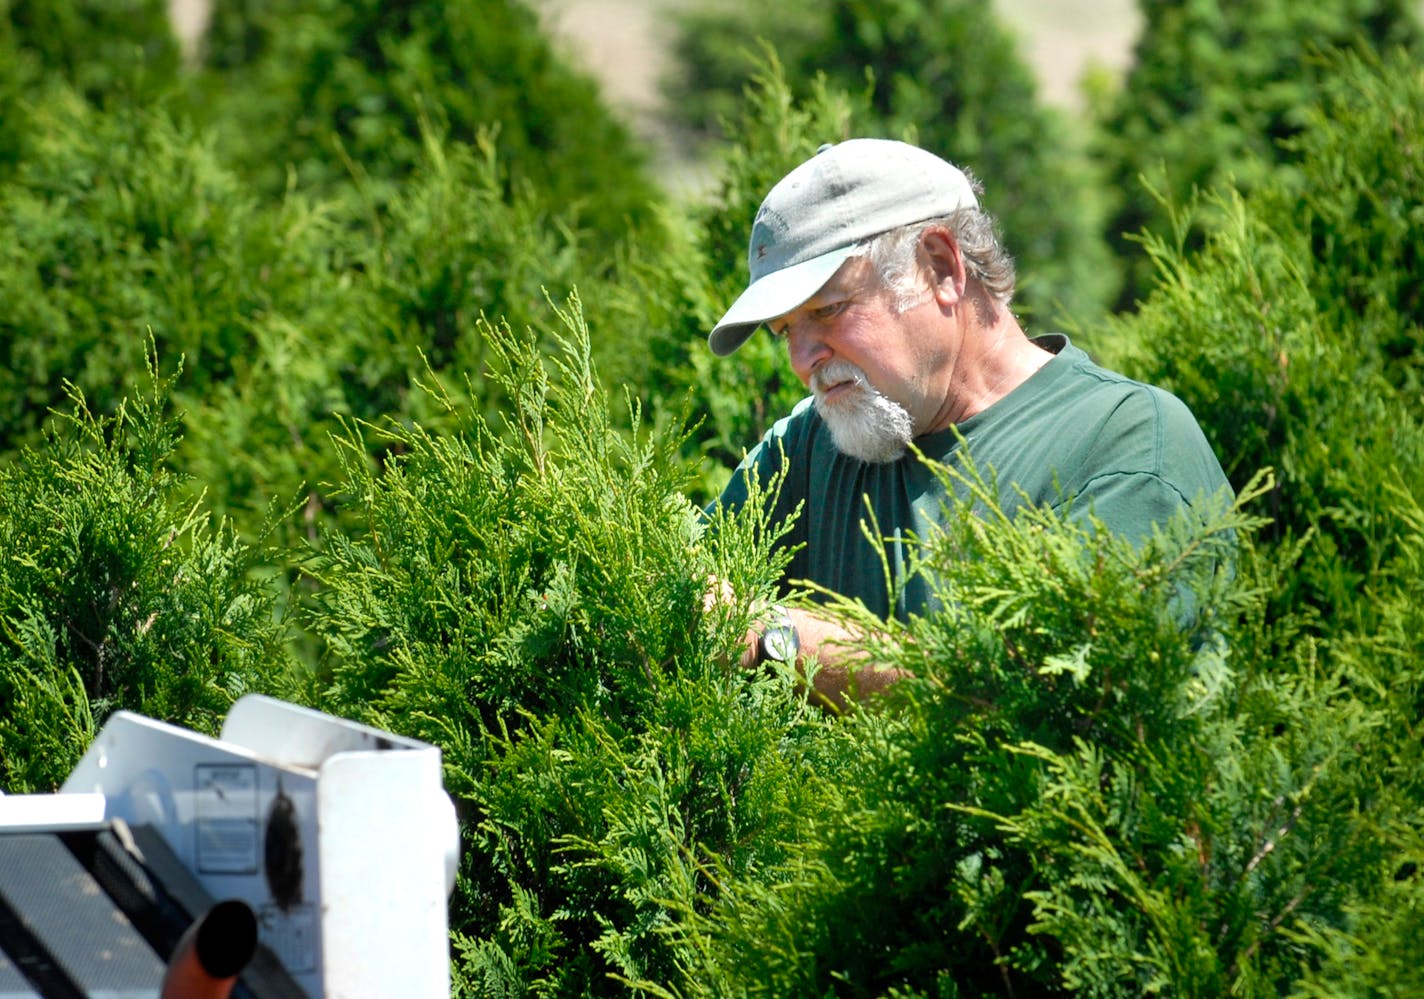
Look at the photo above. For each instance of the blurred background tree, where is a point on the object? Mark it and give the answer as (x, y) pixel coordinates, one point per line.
(337, 92)
(1213, 94)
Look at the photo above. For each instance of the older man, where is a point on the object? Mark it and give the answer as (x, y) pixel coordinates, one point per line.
(875, 264)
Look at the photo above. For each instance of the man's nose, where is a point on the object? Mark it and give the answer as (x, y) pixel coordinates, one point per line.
(808, 351)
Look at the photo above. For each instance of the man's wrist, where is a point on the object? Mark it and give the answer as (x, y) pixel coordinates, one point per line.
(778, 640)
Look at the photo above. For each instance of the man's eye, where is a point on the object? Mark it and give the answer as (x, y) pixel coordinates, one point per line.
(828, 311)
(779, 332)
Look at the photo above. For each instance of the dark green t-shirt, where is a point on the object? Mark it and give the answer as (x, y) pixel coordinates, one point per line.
(1130, 454)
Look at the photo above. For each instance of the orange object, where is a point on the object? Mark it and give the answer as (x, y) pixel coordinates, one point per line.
(212, 952)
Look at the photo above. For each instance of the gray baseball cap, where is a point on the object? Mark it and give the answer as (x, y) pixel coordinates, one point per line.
(817, 214)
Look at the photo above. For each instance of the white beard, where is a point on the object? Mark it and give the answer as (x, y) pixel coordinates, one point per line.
(864, 424)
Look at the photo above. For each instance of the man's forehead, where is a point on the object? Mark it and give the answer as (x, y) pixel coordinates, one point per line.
(852, 275)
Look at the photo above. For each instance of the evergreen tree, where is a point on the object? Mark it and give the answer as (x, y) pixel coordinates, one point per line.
(529, 596)
(1290, 336)
(1214, 91)
(340, 92)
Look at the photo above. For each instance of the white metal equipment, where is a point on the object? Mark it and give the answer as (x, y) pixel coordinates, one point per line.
(339, 836)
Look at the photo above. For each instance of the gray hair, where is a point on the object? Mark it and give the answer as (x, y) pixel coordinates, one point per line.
(895, 255)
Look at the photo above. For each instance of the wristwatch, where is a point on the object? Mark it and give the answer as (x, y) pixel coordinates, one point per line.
(780, 642)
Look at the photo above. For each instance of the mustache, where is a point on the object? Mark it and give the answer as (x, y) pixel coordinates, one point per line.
(836, 372)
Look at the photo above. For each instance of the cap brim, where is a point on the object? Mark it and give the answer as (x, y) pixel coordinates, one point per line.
(773, 295)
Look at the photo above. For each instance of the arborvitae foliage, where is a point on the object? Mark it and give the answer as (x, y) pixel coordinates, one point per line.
(451, 246)
(1367, 955)
(123, 224)
(1213, 91)
(114, 224)
(336, 90)
(1285, 336)
(530, 597)
(1072, 794)
(1285, 339)
(18, 68)
(1360, 200)
(117, 592)
(946, 73)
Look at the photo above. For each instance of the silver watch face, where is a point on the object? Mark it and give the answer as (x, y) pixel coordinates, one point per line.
(780, 644)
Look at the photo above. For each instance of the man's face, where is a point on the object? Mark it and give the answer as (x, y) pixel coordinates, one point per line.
(872, 369)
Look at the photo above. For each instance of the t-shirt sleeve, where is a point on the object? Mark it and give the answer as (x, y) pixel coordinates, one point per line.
(1152, 463)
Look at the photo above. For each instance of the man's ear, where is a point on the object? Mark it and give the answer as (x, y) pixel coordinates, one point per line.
(947, 270)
